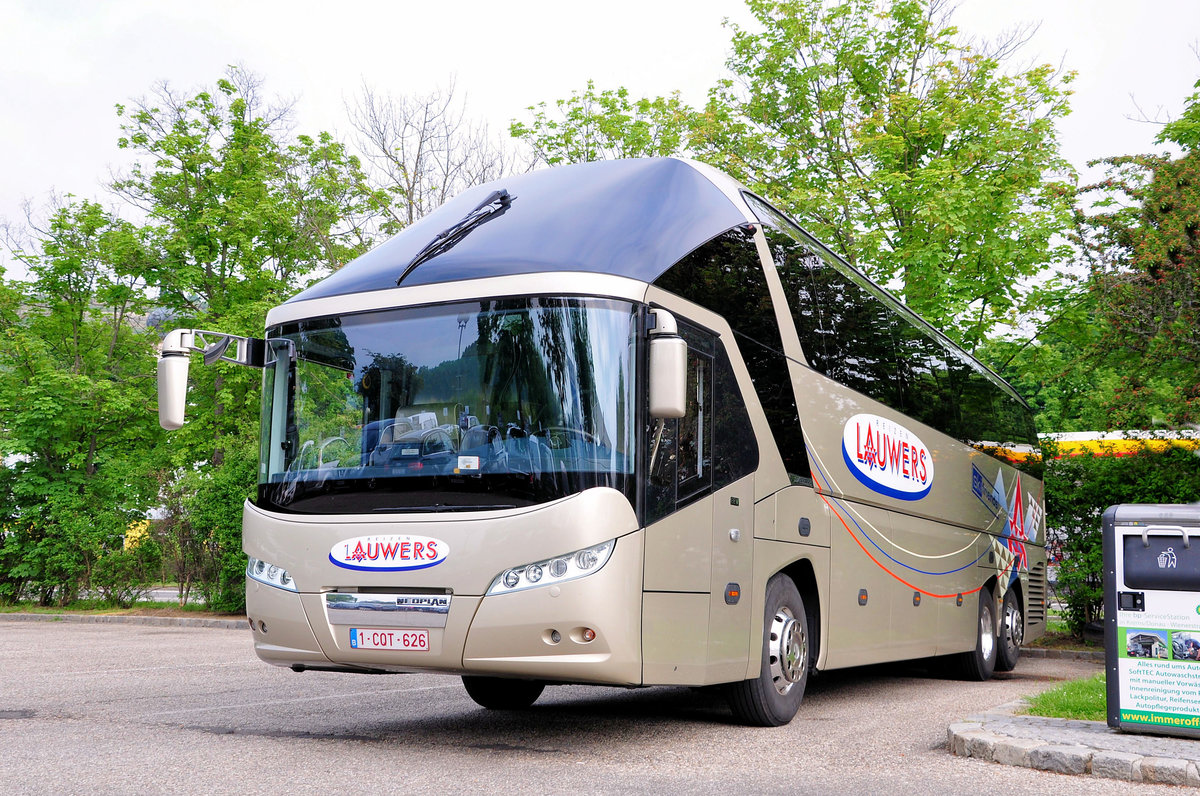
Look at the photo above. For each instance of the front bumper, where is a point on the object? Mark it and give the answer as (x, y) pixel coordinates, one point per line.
(510, 635)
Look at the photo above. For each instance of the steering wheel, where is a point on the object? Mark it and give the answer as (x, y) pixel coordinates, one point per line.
(325, 444)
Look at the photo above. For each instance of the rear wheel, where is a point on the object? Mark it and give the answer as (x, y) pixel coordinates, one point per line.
(772, 698)
(1012, 632)
(496, 693)
(979, 663)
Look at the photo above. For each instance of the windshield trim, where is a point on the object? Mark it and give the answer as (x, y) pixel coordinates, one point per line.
(542, 283)
(599, 358)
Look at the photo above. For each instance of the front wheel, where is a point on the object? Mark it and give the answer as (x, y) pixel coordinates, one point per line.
(772, 699)
(496, 693)
(1012, 632)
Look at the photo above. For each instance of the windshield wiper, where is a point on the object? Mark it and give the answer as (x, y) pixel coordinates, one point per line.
(494, 206)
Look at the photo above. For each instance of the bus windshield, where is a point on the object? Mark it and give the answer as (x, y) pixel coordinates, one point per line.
(454, 407)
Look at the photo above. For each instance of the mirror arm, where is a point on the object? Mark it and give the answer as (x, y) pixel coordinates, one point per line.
(249, 351)
(216, 347)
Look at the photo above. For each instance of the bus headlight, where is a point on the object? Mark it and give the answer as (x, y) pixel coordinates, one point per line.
(270, 574)
(568, 566)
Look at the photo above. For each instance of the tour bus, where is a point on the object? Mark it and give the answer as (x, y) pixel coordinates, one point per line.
(626, 423)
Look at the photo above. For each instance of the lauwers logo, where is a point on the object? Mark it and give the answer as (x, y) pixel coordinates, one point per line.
(388, 553)
(887, 457)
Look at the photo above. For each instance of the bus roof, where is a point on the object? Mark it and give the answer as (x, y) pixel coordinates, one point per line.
(632, 218)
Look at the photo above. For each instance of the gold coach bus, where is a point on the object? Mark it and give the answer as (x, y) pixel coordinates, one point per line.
(625, 423)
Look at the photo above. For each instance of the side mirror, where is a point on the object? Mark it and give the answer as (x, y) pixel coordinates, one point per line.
(172, 380)
(215, 346)
(668, 368)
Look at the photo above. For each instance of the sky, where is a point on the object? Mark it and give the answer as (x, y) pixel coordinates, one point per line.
(64, 65)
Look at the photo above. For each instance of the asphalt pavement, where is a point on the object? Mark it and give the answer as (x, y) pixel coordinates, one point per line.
(131, 708)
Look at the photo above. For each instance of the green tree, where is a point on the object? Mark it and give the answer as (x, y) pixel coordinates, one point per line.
(76, 391)
(1185, 130)
(602, 125)
(1079, 489)
(916, 156)
(1056, 368)
(240, 218)
(1143, 245)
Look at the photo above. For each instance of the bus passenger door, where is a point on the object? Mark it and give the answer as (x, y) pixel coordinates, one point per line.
(679, 536)
(700, 528)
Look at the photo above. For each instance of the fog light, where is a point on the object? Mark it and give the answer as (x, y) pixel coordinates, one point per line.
(555, 636)
(589, 634)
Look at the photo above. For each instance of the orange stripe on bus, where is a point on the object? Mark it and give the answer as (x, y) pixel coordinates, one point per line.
(893, 574)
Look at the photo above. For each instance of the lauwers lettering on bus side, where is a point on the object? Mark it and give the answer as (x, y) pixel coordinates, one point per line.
(389, 553)
(887, 458)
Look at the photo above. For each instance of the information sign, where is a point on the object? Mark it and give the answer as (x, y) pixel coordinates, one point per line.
(1152, 618)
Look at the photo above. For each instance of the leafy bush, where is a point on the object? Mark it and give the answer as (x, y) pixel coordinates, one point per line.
(1079, 489)
(126, 575)
(213, 518)
(13, 576)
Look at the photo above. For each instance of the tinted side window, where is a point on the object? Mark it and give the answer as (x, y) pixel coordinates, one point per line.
(694, 449)
(773, 386)
(924, 375)
(859, 332)
(848, 332)
(725, 275)
(856, 334)
(735, 450)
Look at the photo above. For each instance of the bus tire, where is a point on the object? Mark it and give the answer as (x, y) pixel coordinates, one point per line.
(497, 693)
(772, 698)
(979, 663)
(1012, 632)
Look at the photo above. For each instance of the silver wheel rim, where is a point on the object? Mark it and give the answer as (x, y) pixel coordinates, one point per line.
(1014, 628)
(787, 650)
(987, 634)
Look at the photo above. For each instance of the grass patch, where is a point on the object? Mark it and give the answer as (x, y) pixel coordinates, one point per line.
(1062, 640)
(99, 608)
(1077, 699)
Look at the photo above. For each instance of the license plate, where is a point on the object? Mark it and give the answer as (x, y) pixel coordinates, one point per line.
(370, 638)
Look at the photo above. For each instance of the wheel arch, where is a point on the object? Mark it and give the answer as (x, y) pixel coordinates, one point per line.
(1017, 587)
(804, 576)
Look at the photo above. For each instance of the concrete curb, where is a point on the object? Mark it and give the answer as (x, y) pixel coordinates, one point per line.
(154, 621)
(1073, 747)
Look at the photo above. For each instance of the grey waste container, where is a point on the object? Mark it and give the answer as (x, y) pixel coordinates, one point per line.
(1152, 618)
